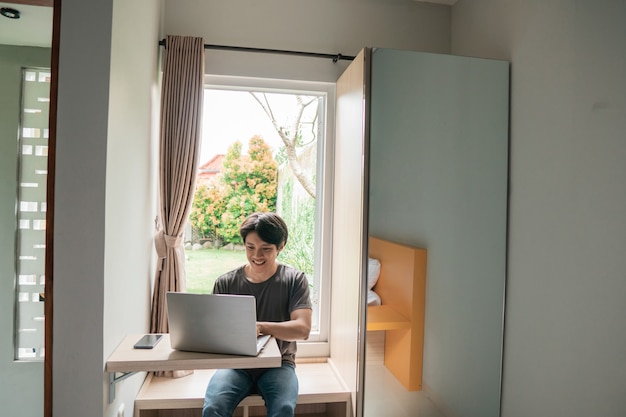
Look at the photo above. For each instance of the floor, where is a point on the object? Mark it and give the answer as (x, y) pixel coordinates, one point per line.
(384, 395)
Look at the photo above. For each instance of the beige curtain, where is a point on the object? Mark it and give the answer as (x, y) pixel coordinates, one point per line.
(181, 123)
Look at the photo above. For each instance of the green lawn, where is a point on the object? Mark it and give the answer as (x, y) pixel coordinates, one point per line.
(205, 265)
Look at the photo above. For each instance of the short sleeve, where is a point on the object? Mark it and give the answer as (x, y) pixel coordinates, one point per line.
(300, 297)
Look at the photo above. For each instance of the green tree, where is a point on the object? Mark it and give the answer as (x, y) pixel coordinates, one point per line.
(208, 207)
(248, 183)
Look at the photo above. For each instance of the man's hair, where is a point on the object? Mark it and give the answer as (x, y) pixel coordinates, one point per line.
(270, 227)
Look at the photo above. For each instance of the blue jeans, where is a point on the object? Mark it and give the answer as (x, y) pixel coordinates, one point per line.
(277, 386)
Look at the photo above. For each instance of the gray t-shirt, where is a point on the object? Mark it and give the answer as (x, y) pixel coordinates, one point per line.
(276, 298)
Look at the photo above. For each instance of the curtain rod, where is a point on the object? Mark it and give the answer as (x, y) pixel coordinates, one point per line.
(334, 57)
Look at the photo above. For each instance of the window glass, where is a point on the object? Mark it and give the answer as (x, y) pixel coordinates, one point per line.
(31, 215)
(264, 148)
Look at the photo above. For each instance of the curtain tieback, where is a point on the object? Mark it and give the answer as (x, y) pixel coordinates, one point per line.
(162, 242)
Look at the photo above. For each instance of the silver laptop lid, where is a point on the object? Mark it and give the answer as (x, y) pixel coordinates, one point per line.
(209, 323)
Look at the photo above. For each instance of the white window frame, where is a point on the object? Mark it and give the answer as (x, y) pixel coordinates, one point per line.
(318, 343)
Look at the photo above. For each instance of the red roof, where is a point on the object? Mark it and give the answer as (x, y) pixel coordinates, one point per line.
(211, 168)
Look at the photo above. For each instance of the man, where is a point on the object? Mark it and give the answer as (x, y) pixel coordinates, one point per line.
(283, 310)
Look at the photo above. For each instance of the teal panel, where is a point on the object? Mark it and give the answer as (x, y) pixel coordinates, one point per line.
(438, 180)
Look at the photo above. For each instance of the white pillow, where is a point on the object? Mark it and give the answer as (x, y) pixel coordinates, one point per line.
(373, 299)
(373, 272)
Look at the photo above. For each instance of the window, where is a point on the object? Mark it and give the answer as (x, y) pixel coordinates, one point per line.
(31, 215)
(238, 110)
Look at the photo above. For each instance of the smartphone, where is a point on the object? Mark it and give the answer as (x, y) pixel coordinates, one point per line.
(148, 341)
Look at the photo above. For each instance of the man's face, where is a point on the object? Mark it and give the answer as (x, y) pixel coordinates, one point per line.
(261, 255)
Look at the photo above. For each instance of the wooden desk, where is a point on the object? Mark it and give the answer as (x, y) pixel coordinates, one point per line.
(128, 360)
(163, 358)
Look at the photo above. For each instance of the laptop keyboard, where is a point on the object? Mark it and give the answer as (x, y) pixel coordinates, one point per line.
(261, 341)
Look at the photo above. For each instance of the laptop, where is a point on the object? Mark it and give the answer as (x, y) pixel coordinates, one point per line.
(212, 323)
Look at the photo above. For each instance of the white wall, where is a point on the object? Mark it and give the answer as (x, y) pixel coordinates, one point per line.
(105, 196)
(322, 26)
(565, 332)
(79, 220)
(131, 180)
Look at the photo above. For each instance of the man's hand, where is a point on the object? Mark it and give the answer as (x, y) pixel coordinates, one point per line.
(297, 327)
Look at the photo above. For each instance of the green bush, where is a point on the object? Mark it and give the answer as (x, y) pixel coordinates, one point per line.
(300, 249)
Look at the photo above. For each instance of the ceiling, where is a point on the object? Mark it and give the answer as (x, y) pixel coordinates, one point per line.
(34, 27)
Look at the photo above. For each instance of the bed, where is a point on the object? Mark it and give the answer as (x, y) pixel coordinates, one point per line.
(401, 286)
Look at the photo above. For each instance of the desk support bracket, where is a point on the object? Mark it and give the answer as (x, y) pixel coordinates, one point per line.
(114, 380)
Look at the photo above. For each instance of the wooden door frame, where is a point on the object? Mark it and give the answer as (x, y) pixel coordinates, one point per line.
(49, 285)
